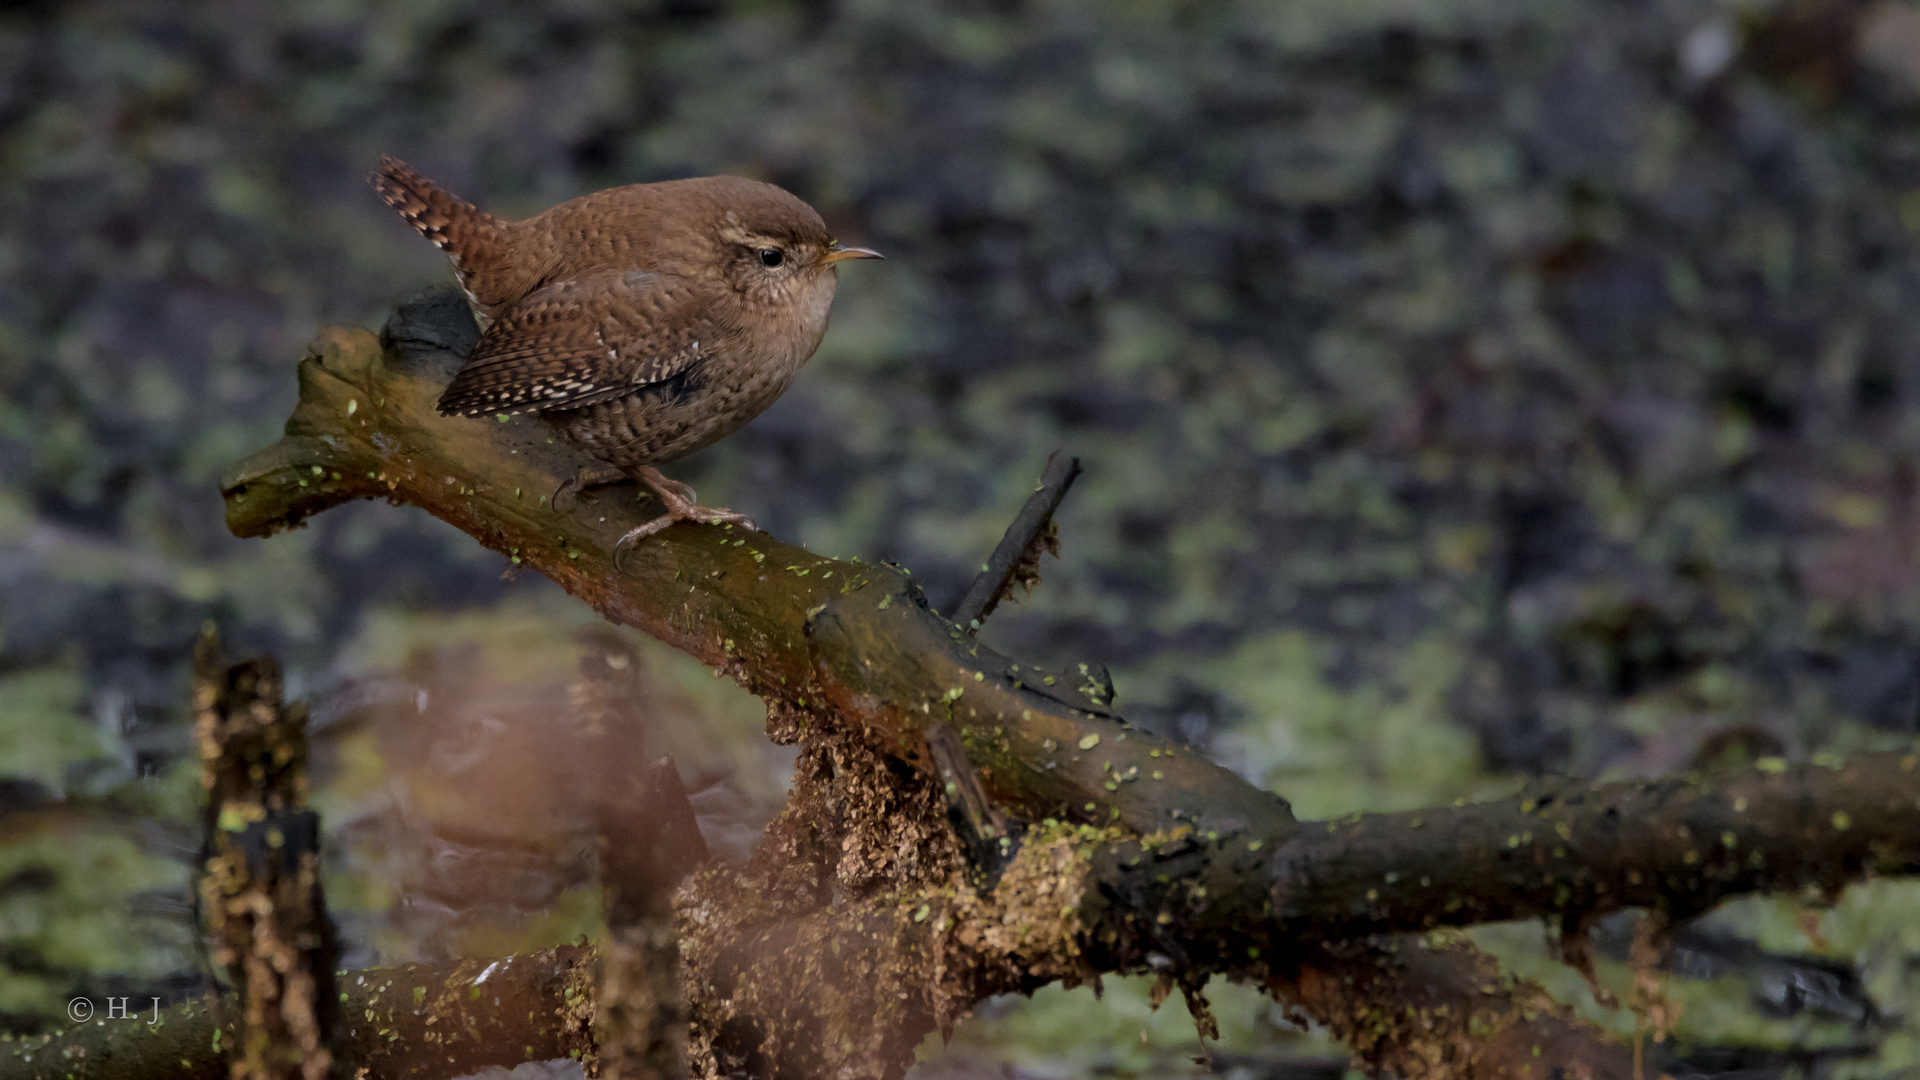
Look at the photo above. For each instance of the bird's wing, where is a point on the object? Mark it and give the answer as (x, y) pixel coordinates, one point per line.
(572, 343)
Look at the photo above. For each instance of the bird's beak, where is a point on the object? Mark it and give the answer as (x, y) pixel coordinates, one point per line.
(836, 253)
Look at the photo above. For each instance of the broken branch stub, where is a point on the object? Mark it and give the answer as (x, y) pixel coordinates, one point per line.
(1016, 559)
(259, 889)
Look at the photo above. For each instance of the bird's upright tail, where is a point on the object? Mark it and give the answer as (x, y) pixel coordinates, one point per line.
(473, 239)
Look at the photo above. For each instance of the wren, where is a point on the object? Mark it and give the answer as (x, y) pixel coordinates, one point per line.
(645, 321)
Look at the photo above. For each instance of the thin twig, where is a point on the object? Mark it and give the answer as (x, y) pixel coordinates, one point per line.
(995, 580)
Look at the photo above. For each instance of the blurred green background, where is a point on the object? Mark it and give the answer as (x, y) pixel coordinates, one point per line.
(1467, 391)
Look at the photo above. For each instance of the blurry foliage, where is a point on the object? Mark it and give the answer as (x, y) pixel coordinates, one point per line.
(1467, 390)
(78, 915)
(39, 737)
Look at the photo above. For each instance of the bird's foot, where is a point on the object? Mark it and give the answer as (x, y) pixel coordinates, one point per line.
(718, 515)
(590, 476)
(706, 515)
(679, 501)
(684, 492)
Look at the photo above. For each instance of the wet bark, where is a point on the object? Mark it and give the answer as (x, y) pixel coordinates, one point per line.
(1677, 845)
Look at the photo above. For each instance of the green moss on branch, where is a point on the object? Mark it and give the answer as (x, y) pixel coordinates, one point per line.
(1678, 845)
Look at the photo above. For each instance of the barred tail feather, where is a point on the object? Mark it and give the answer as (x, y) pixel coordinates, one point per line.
(474, 240)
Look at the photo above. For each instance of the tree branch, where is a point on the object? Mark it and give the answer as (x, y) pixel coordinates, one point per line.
(805, 633)
(1143, 855)
(1678, 845)
(1423, 1007)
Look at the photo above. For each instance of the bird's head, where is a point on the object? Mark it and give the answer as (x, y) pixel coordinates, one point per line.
(773, 247)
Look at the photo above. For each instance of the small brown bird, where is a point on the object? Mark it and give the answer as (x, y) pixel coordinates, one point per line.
(646, 321)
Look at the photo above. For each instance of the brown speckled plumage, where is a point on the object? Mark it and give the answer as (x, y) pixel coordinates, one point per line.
(646, 321)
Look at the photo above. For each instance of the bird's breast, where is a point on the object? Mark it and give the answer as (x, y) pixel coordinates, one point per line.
(811, 308)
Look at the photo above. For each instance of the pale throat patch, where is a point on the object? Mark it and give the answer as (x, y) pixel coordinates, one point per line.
(818, 301)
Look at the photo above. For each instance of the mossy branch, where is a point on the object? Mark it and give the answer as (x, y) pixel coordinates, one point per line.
(1678, 845)
(848, 649)
(823, 641)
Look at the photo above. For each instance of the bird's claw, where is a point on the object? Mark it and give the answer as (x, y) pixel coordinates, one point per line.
(635, 535)
(704, 515)
(578, 483)
(681, 505)
(713, 515)
(684, 491)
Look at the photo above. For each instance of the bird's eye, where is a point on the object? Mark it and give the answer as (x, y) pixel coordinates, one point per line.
(772, 257)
